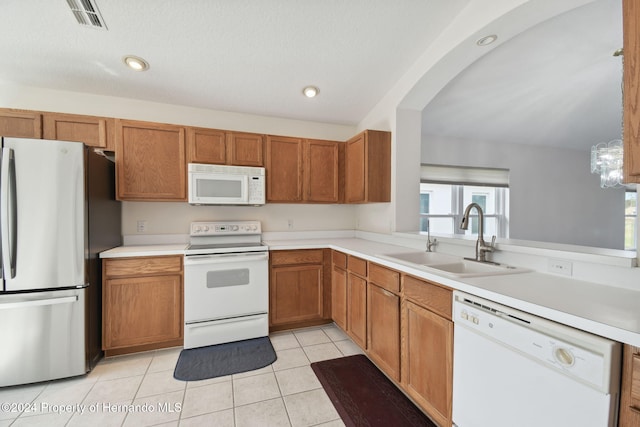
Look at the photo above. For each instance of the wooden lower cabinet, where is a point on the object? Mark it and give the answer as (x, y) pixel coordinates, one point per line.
(339, 297)
(630, 390)
(298, 295)
(142, 304)
(383, 329)
(357, 311)
(427, 353)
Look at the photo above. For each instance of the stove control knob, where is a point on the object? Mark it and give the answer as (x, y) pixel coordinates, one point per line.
(197, 229)
(206, 228)
(234, 228)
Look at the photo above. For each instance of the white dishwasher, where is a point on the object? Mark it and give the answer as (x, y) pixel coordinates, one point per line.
(511, 369)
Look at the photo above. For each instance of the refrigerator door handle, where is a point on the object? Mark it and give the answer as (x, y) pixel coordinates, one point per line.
(8, 214)
(38, 302)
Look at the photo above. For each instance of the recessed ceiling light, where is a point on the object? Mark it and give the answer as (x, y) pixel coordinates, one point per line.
(487, 40)
(310, 91)
(136, 63)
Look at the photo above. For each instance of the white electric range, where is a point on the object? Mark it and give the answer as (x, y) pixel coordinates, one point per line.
(226, 283)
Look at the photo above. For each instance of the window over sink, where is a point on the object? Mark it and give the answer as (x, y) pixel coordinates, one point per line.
(445, 191)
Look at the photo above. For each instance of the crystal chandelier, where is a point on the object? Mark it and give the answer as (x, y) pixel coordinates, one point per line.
(606, 160)
(606, 157)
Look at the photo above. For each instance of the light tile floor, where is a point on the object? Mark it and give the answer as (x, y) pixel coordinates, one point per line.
(139, 390)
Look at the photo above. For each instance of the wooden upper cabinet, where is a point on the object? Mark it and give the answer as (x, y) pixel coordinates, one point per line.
(93, 131)
(20, 124)
(219, 147)
(303, 170)
(245, 149)
(631, 97)
(321, 171)
(206, 146)
(284, 169)
(368, 167)
(150, 161)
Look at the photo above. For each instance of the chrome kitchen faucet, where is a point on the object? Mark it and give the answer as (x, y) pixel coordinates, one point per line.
(481, 247)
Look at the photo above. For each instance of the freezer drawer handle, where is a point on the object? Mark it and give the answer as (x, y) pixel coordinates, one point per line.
(35, 303)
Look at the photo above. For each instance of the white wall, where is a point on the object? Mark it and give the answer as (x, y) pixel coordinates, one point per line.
(553, 196)
(454, 50)
(174, 218)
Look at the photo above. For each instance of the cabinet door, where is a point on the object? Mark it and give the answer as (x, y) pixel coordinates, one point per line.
(142, 310)
(356, 170)
(427, 365)
(93, 131)
(296, 294)
(246, 149)
(383, 329)
(150, 161)
(284, 169)
(206, 146)
(339, 297)
(357, 309)
(630, 390)
(631, 96)
(20, 124)
(321, 174)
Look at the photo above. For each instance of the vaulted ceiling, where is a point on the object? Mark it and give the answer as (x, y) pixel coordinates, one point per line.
(555, 84)
(249, 56)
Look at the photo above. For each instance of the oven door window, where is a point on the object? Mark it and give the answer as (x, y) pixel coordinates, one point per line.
(225, 278)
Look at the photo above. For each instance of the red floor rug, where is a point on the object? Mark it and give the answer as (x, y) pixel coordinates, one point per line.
(363, 396)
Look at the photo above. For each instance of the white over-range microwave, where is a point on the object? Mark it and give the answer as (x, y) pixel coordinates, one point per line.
(226, 185)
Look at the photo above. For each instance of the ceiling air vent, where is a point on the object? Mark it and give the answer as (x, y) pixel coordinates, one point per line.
(87, 13)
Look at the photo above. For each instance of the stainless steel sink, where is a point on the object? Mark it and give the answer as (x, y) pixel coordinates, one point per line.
(468, 268)
(421, 257)
(450, 265)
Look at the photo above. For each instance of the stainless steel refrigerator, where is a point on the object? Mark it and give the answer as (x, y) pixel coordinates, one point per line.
(57, 212)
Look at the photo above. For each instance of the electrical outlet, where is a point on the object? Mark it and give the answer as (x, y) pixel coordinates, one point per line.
(142, 226)
(559, 266)
(290, 224)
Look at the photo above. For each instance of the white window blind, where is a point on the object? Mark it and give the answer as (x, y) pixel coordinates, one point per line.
(461, 175)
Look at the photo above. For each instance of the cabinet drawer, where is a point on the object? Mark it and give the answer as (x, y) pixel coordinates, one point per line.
(436, 298)
(384, 277)
(339, 259)
(305, 256)
(357, 266)
(142, 266)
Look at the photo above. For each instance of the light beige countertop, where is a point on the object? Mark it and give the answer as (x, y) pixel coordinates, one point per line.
(603, 310)
(144, 250)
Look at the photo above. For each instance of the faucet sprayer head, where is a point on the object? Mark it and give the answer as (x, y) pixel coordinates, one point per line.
(464, 224)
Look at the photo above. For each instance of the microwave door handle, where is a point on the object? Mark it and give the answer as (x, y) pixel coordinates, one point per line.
(245, 192)
(8, 213)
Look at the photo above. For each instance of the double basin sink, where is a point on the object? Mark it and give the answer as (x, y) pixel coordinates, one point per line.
(450, 265)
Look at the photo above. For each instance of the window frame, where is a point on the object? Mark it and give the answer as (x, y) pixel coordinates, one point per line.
(458, 207)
